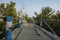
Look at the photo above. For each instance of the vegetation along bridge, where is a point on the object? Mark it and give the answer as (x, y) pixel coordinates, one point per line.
(16, 25)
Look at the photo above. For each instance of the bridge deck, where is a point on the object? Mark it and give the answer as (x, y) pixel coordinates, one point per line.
(28, 33)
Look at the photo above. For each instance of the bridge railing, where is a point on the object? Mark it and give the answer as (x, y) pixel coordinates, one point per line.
(8, 35)
(9, 24)
(53, 35)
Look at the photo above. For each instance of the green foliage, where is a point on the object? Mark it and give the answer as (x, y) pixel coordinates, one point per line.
(2, 8)
(47, 13)
(11, 10)
(46, 10)
(8, 10)
(58, 14)
(53, 17)
(28, 19)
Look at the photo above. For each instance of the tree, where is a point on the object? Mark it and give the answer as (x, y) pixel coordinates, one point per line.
(26, 16)
(58, 14)
(11, 10)
(2, 7)
(48, 13)
(45, 14)
(28, 19)
(36, 13)
(7, 10)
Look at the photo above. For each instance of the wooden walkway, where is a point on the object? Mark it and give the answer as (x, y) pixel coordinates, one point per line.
(28, 33)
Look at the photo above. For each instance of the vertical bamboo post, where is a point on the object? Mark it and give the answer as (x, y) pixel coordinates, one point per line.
(41, 22)
(8, 35)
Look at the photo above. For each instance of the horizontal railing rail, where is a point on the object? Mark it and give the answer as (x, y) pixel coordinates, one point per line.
(52, 35)
(49, 34)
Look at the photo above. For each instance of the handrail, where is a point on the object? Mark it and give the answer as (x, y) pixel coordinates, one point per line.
(17, 35)
(51, 35)
(50, 27)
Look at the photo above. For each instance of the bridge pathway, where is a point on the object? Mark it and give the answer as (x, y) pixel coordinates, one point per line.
(28, 33)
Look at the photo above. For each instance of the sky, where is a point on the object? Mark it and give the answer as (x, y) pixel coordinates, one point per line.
(31, 6)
